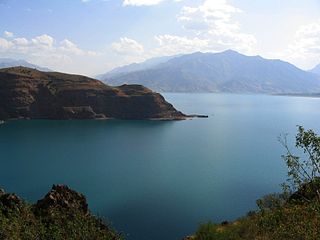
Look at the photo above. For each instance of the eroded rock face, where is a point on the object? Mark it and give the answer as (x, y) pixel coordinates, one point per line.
(30, 94)
(62, 196)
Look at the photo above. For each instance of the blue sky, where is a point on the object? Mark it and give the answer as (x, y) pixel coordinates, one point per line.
(93, 36)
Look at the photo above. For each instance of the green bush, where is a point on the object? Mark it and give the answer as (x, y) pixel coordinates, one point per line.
(22, 221)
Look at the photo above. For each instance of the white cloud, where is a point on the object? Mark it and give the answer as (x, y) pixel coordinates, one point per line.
(20, 42)
(8, 34)
(43, 41)
(170, 45)
(127, 46)
(46, 51)
(304, 51)
(136, 3)
(210, 28)
(70, 47)
(208, 15)
(4, 44)
(213, 21)
(141, 2)
(307, 39)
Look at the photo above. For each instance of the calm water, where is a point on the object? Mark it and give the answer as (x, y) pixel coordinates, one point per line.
(159, 180)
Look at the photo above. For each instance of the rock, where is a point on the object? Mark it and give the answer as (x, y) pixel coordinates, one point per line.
(224, 223)
(31, 94)
(189, 238)
(62, 196)
(2, 192)
(9, 200)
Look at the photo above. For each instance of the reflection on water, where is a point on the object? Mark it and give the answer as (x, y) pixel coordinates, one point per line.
(159, 180)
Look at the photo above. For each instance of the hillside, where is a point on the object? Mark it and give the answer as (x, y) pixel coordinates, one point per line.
(61, 214)
(228, 71)
(8, 62)
(30, 94)
(278, 217)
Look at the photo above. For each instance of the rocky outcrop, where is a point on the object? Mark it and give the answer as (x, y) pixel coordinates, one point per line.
(63, 197)
(31, 94)
(9, 200)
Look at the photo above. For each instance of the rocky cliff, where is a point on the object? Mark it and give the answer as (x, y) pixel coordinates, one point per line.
(31, 94)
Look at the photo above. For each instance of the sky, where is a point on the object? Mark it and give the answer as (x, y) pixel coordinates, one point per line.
(91, 37)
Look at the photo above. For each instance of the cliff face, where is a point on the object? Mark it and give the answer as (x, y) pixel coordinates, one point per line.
(30, 94)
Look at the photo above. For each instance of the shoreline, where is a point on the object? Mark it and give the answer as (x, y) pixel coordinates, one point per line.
(186, 117)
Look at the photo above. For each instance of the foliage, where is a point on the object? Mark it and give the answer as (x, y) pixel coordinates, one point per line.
(271, 201)
(288, 222)
(23, 222)
(303, 172)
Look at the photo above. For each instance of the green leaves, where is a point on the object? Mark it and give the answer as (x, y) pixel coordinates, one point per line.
(305, 169)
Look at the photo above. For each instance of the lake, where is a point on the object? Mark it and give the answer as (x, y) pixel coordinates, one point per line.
(157, 179)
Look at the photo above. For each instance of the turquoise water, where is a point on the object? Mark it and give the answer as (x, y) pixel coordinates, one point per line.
(159, 180)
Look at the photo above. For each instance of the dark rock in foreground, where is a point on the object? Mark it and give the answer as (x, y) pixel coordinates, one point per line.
(63, 197)
(30, 94)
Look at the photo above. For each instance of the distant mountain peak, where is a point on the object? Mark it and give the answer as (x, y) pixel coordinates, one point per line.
(316, 69)
(230, 51)
(9, 62)
(134, 67)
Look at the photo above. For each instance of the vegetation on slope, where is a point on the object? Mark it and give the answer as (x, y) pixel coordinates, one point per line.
(293, 214)
(62, 214)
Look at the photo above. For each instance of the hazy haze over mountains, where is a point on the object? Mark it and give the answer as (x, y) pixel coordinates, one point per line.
(116, 72)
(9, 62)
(316, 69)
(228, 71)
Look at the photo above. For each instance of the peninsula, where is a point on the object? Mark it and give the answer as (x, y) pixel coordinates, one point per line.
(27, 93)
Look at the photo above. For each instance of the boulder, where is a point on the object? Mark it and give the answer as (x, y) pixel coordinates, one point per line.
(62, 197)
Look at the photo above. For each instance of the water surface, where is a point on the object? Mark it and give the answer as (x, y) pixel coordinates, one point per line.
(159, 180)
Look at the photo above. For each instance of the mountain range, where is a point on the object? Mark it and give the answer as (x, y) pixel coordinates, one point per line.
(316, 69)
(9, 62)
(133, 67)
(228, 71)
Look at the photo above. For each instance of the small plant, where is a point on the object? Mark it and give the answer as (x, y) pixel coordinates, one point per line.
(303, 172)
(272, 201)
